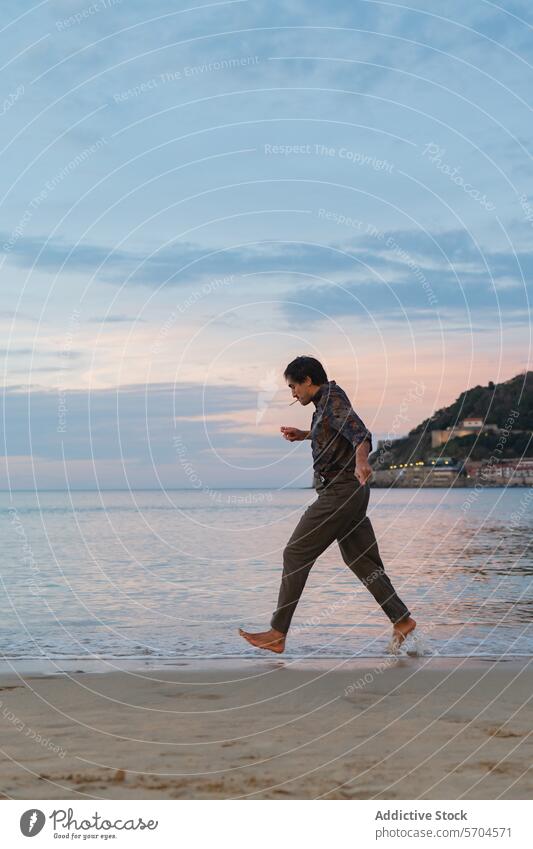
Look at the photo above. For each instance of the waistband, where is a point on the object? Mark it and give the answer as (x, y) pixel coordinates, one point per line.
(338, 477)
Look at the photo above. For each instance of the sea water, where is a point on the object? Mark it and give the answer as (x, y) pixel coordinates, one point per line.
(175, 574)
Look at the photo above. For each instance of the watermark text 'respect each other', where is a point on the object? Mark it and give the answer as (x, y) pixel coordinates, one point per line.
(182, 307)
(62, 409)
(28, 557)
(416, 393)
(487, 469)
(29, 732)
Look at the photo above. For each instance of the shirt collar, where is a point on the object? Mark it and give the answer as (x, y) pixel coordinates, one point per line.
(322, 391)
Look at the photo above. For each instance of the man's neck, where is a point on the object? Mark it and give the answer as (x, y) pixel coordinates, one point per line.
(318, 392)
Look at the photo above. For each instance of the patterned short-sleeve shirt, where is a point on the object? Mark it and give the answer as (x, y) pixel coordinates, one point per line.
(336, 431)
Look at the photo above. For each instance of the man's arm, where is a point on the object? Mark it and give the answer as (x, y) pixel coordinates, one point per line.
(363, 469)
(294, 434)
(346, 421)
(363, 450)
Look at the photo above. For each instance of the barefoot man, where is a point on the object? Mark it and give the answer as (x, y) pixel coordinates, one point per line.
(340, 445)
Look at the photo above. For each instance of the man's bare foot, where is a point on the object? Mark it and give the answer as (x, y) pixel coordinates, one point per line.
(271, 640)
(401, 629)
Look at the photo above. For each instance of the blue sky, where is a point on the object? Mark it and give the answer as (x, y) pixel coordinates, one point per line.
(193, 196)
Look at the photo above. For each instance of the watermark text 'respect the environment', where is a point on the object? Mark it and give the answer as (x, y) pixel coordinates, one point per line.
(188, 72)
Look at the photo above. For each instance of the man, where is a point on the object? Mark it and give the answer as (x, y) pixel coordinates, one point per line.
(340, 445)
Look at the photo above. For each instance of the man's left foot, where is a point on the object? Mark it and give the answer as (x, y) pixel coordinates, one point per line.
(270, 640)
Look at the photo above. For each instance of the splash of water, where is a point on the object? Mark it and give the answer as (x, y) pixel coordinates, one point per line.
(415, 645)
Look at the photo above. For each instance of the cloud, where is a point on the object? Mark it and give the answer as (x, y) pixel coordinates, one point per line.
(178, 430)
(114, 319)
(38, 355)
(106, 423)
(176, 265)
(380, 78)
(407, 302)
(382, 273)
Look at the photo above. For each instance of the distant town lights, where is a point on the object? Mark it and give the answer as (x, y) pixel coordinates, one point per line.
(406, 465)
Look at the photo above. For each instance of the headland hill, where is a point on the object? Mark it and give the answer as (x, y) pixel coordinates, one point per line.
(483, 438)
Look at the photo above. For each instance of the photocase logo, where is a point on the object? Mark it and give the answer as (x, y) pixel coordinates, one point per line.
(269, 387)
(32, 822)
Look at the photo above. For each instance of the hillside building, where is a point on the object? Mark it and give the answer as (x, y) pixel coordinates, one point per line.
(465, 428)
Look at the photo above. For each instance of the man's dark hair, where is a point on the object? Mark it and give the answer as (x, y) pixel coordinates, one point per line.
(303, 367)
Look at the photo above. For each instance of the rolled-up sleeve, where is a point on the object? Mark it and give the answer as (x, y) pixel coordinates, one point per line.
(345, 421)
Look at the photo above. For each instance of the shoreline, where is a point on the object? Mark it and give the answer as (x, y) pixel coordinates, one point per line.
(411, 728)
(373, 484)
(30, 667)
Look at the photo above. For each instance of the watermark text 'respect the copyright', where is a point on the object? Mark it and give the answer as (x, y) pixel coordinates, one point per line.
(353, 156)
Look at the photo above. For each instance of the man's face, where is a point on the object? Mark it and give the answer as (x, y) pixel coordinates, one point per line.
(304, 392)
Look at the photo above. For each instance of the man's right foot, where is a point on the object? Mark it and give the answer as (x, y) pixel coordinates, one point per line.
(403, 628)
(400, 631)
(270, 640)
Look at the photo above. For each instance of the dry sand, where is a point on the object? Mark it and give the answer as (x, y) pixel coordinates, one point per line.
(405, 728)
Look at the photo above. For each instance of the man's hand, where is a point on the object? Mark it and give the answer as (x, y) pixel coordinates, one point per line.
(363, 469)
(293, 434)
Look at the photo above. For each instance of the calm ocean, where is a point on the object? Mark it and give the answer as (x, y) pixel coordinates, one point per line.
(127, 574)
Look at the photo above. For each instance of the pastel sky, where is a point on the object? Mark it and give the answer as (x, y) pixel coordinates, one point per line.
(193, 196)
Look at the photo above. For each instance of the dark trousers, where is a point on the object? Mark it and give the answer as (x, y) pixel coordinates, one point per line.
(339, 513)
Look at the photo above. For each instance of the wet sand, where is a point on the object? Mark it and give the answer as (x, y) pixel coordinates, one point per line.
(389, 728)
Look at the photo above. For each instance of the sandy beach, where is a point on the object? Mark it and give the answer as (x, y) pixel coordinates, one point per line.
(405, 727)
